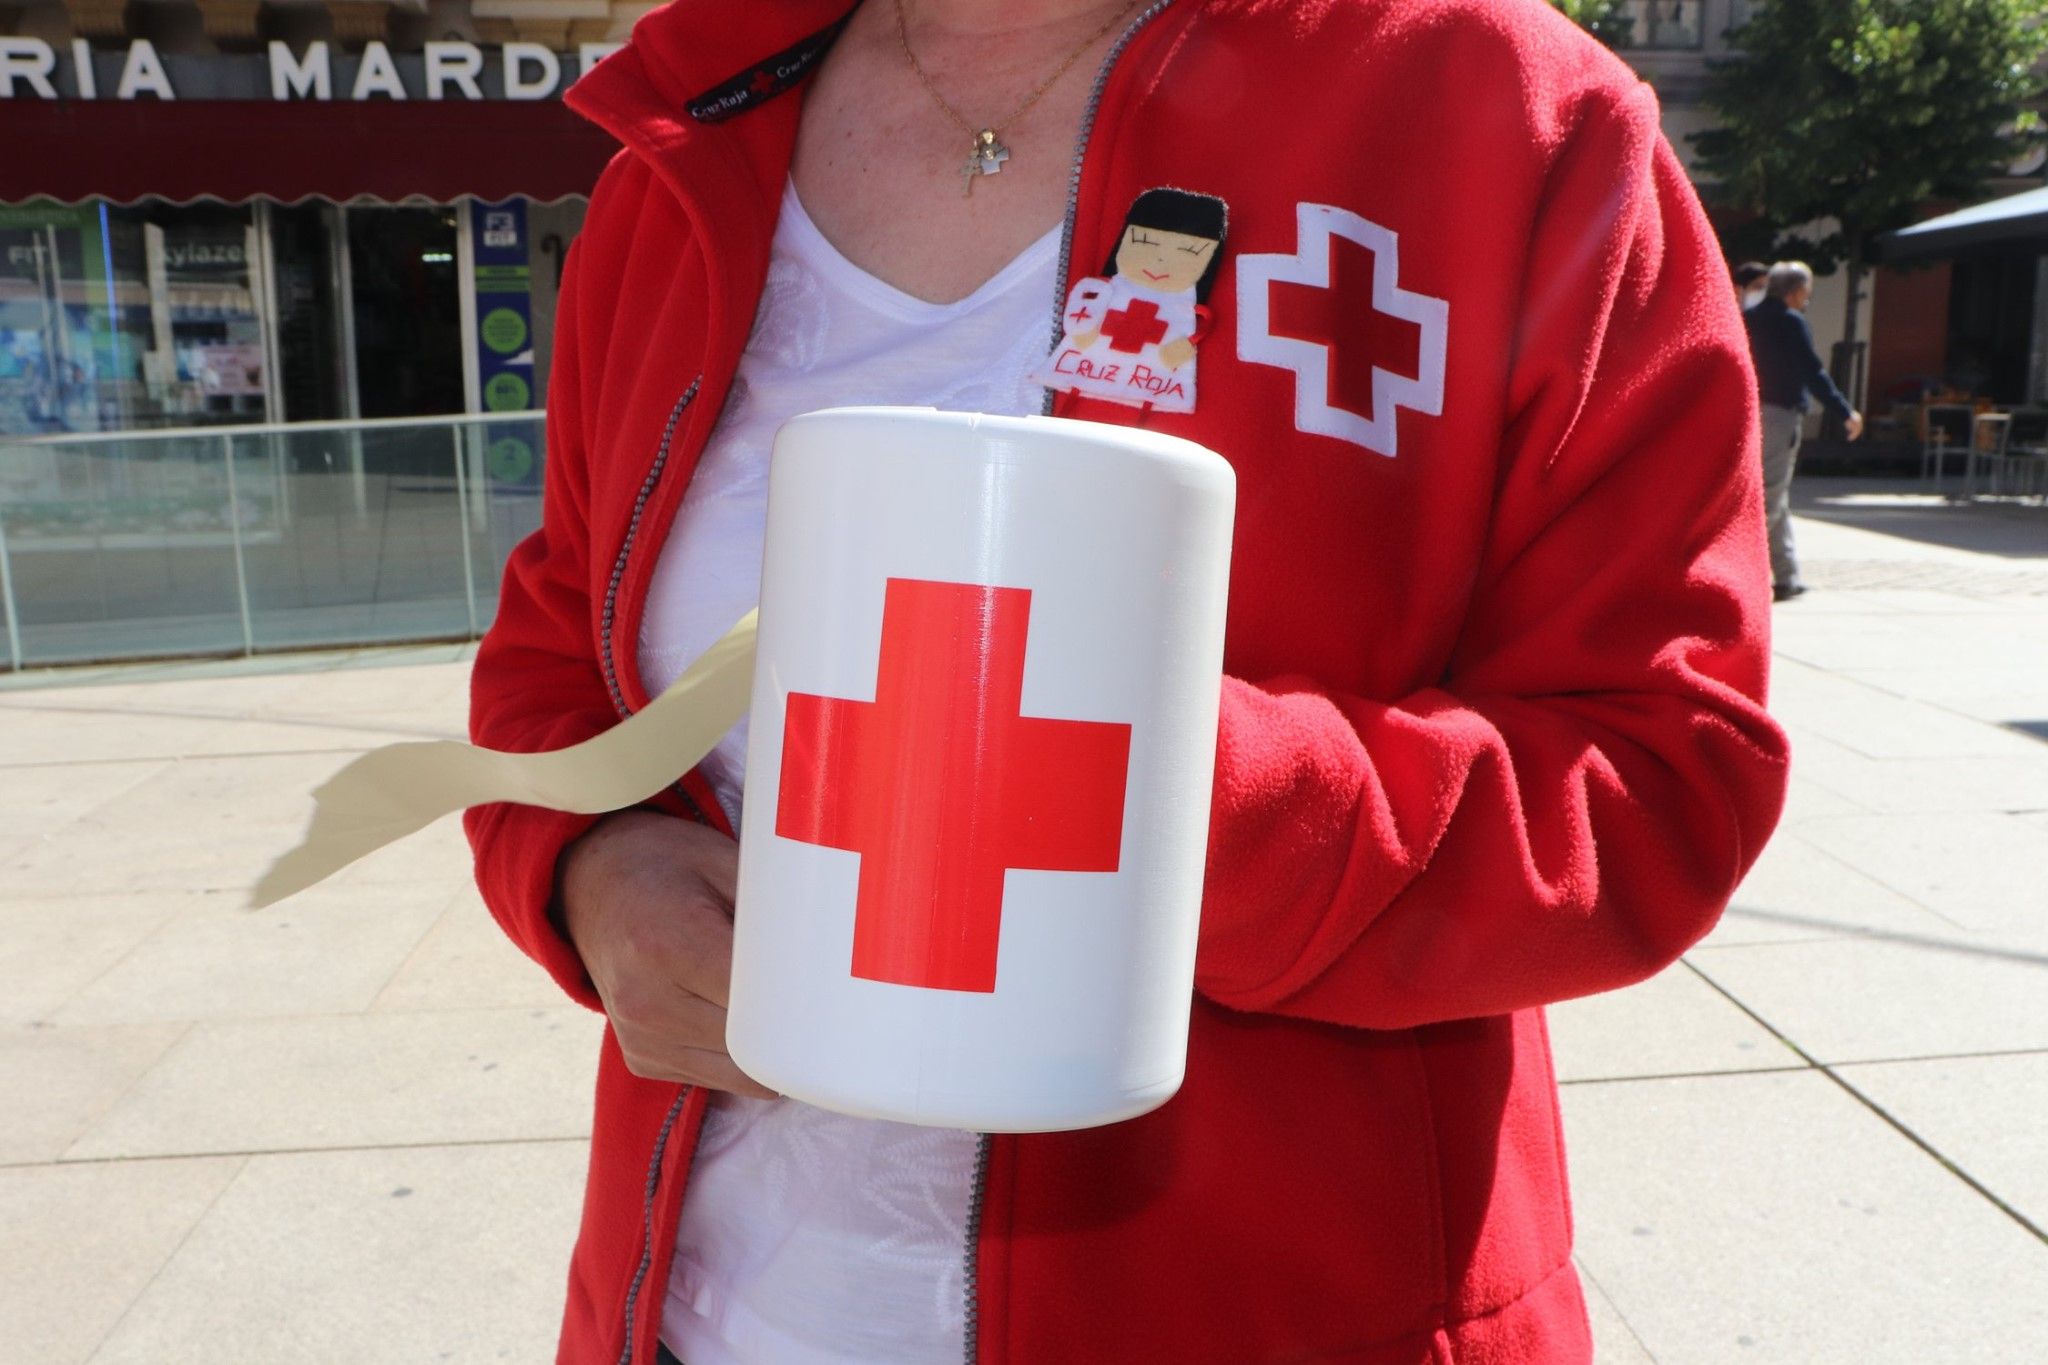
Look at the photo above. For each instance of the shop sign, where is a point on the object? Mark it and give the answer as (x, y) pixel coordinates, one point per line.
(31, 68)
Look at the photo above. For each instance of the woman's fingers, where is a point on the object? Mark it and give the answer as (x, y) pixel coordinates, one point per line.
(648, 902)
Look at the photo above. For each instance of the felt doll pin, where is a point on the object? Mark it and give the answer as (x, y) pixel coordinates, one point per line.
(1129, 334)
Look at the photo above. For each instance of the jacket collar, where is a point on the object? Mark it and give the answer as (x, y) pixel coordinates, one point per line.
(685, 50)
(725, 173)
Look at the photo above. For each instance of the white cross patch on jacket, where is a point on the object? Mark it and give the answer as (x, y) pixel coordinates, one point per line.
(1341, 386)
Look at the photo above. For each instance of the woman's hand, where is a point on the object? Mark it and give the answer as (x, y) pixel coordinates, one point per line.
(647, 900)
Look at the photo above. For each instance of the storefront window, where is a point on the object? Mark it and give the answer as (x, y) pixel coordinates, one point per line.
(117, 318)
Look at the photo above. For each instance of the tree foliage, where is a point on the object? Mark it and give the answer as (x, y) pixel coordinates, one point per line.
(1863, 111)
(1607, 20)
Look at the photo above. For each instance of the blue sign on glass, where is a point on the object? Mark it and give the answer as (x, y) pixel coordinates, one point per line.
(504, 333)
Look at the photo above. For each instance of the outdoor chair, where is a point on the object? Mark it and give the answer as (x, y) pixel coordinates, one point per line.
(1945, 430)
(2027, 451)
(1990, 441)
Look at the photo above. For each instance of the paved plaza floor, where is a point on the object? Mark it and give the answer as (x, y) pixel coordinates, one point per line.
(351, 1129)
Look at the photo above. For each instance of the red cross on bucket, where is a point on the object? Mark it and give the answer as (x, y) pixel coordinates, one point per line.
(941, 784)
(1129, 329)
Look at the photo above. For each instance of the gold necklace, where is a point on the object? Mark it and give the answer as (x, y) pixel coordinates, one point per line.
(987, 154)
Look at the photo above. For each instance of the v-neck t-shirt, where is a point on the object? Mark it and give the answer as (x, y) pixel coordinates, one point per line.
(810, 1237)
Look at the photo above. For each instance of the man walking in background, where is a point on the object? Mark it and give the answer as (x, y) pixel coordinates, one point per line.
(1788, 370)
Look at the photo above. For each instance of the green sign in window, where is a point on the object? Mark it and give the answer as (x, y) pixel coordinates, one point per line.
(504, 331)
(509, 459)
(507, 392)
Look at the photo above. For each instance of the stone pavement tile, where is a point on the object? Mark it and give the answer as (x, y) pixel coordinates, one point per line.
(1982, 869)
(358, 1081)
(1809, 800)
(1987, 640)
(1771, 1218)
(1674, 1024)
(374, 697)
(1614, 1341)
(43, 679)
(1827, 600)
(64, 734)
(67, 1078)
(190, 692)
(1842, 640)
(1991, 694)
(1988, 1115)
(389, 1257)
(52, 946)
(438, 855)
(81, 676)
(1909, 785)
(39, 799)
(80, 1242)
(201, 824)
(1879, 725)
(329, 950)
(440, 692)
(1874, 999)
(173, 669)
(467, 962)
(1796, 892)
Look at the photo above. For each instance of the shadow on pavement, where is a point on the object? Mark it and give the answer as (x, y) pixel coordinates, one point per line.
(1911, 510)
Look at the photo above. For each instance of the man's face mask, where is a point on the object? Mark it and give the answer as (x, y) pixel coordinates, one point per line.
(1753, 296)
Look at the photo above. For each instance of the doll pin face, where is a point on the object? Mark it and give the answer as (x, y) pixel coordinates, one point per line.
(1169, 262)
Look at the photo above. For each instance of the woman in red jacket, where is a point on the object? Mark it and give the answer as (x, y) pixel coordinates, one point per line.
(1492, 730)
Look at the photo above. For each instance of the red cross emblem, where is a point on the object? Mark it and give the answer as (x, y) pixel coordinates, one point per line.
(763, 82)
(941, 784)
(1360, 346)
(1130, 329)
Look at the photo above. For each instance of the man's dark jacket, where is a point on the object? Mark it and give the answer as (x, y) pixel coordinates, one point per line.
(1787, 365)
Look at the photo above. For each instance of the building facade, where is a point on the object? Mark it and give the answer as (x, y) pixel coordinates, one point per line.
(230, 211)
(1976, 324)
(237, 211)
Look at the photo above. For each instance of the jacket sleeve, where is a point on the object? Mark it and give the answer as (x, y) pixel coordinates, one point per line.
(537, 683)
(1816, 380)
(1575, 802)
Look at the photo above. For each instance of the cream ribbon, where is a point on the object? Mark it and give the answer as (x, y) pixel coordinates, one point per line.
(388, 793)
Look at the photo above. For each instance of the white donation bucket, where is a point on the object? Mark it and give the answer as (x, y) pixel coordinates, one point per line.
(978, 768)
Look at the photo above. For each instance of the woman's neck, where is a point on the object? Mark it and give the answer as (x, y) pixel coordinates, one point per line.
(989, 18)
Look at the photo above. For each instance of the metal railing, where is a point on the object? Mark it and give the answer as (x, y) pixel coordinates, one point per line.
(243, 539)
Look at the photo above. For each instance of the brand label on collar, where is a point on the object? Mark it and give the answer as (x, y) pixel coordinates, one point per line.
(765, 79)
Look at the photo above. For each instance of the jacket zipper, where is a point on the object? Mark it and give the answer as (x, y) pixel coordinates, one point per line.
(606, 619)
(647, 1221)
(977, 1193)
(611, 591)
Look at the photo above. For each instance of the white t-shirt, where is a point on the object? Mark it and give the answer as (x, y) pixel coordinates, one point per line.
(808, 1237)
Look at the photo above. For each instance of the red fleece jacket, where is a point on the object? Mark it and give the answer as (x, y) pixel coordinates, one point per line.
(1493, 730)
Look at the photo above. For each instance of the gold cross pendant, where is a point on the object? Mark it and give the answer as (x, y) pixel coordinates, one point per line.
(987, 158)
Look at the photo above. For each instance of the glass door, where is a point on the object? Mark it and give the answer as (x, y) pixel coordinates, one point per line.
(403, 285)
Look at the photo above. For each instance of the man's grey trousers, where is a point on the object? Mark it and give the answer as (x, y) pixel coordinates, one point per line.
(1782, 429)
